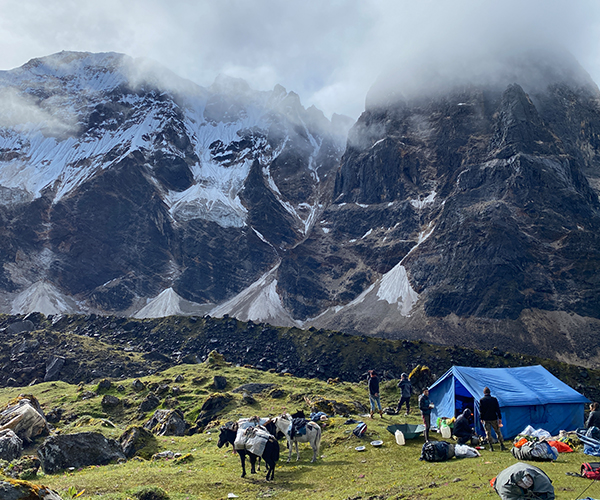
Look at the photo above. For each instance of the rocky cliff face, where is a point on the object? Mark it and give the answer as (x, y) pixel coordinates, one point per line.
(119, 180)
(467, 216)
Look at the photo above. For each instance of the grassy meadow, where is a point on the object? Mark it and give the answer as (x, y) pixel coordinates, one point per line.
(207, 472)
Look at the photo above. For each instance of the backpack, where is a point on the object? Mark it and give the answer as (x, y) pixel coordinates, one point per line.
(360, 429)
(437, 451)
(591, 470)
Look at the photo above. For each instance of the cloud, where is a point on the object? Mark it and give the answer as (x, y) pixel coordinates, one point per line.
(21, 110)
(330, 53)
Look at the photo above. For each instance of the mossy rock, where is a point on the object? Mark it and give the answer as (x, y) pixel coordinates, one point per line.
(150, 493)
(137, 441)
(24, 490)
(215, 359)
(25, 468)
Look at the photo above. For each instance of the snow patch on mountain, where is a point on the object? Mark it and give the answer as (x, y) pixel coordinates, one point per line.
(45, 298)
(420, 203)
(259, 302)
(395, 288)
(169, 303)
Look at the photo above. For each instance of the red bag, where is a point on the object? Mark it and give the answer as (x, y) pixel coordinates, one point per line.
(560, 446)
(591, 470)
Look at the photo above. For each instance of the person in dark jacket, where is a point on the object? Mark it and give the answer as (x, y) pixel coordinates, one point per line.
(463, 431)
(406, 390)
(491, 418)
(425, 405)
(594, 416)
(374, 399)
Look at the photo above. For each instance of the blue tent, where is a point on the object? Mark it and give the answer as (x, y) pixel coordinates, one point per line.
(528, 395)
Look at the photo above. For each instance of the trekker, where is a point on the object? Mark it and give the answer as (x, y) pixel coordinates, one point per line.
(406, 390)
(462, 428)
(491, 418)
(594, 416)
(374, 399)
(425, 405)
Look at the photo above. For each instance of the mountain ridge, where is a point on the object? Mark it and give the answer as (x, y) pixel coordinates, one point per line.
(465, 213)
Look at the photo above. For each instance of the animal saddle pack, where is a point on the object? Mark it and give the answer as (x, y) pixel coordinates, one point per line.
(298, 427)
(252, 439)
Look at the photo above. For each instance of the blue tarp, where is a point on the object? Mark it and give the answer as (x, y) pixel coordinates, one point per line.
(528, 395)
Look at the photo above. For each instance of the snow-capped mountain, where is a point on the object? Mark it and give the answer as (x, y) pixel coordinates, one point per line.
(120, 180)
(463, 213)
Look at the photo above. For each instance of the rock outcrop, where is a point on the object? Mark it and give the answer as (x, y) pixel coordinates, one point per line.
(62, 451)
(166, 423)
(24, 417)
(12, 489)
(138, 441)
(11, 445)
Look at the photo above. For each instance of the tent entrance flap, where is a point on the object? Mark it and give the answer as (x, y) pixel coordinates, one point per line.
(463, 399)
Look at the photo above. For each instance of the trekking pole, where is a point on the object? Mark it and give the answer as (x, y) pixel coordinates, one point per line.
(587, 488)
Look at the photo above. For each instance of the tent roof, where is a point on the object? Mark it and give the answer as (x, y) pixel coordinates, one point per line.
(522, 386)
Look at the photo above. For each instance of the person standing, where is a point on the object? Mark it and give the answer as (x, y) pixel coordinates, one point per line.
(594, 416)
(405, 392)
(425, 405)
(491, 418)
(374, 399)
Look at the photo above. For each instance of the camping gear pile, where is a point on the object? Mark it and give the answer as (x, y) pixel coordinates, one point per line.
(590, 440)
(440, 451)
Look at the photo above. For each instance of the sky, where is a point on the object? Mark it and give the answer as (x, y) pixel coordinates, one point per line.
(328, 52)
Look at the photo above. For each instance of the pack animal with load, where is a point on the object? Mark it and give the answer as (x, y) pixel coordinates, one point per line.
(254, 441)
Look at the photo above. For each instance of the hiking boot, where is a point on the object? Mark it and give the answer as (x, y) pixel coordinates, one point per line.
(381, 413)
(502, 447)
(371, 415)
(491, 448)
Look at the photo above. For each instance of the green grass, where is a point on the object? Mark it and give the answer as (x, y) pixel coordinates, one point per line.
(390, 471)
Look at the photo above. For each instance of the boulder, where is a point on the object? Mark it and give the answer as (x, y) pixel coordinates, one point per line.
(253, 388)
(162, 389)
(104, 385)
(11, 445)
(20, 326)
(62, 451)
(219, 382)
(138, 385)
(54, 415)
(11, 489)
(149, 403)
(166, 423)
(53, 367)
(138, 441)
(248, 399)
(211, 408)
(109, 401)
(24, 417)
(179, 378)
